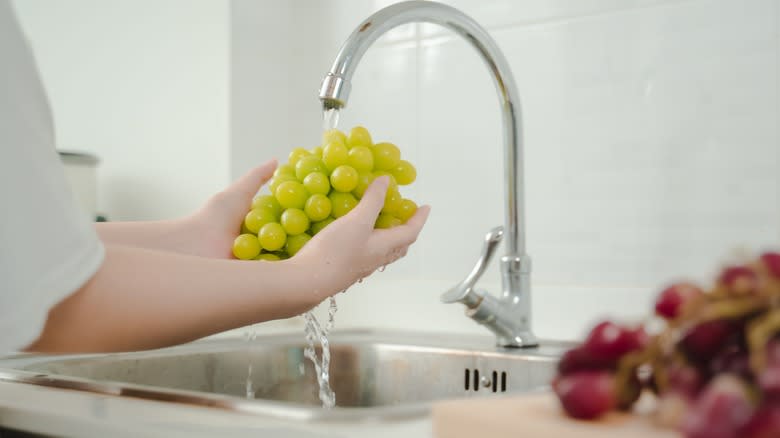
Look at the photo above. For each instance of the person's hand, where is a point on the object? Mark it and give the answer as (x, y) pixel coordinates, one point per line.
(350, 249)
(217, 224)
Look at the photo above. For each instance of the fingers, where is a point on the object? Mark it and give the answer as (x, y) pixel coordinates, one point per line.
(406, 234)
(415, 223)
(392, 244)
(248, 185)
(372, 202)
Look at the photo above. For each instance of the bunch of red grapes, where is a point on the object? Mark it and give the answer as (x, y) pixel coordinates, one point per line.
(714, 365)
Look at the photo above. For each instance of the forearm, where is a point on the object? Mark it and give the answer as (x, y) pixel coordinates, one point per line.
(143, 299)
(169, 235)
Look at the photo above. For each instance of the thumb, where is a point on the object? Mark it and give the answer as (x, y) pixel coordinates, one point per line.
(246, 187)
(373, 200)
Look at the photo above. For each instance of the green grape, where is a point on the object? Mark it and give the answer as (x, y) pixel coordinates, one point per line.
(386, 156)
(318, 226)
(361, 158)
(341, 203)
(317, 207)
(344, 178)
(284, 169)
(364, 180)
(406, 210)
(274, 183)
(296, 154)
(291, 194)
(257, 217)
(267, 256)
(404, 173)
(334, 136)
(392, 201)
(316, 151)
(267, 202)
(334, 155)
(359, 136)
(393, 184)
(386, 220)
(317, 182)
(307, 165)
(295, 243)
(246, 247)
(272, 236)
(294, 221)
(244, 229)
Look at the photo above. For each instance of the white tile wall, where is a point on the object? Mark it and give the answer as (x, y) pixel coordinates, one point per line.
(652, 144)
(143, 85)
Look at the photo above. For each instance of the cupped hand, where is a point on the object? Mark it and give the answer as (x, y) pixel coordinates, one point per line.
(219, 221)
(350, 249)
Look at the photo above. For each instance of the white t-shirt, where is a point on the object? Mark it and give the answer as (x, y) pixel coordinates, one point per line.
(48, 249)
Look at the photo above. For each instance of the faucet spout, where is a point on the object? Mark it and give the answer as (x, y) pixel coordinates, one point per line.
(334, 93)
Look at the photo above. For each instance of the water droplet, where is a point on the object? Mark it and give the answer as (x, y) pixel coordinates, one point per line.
(382, 268)
(360, 280)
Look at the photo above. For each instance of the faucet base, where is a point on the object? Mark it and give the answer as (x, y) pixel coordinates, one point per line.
(498, 317)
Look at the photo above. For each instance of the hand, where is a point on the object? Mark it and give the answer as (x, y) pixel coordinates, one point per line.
(218, 223)
(350, 248)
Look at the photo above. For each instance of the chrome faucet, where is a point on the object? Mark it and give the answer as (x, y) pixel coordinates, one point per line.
(509, 316)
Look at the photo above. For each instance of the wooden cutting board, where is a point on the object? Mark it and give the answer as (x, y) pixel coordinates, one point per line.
(536, 415)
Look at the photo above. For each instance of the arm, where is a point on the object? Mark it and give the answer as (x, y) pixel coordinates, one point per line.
(142, 298)
(207, 233)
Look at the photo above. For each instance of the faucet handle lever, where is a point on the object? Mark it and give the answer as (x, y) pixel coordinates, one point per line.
(464, 291)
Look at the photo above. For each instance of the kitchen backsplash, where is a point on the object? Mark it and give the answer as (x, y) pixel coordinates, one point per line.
(652, 147)
(652, 150)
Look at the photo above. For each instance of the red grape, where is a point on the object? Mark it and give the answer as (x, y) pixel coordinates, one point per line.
(739, 280)
(732, 359)
(586, 394)
(673, 298)
(609, 341)
(578, 359)
(769, 379)
(721, 411)
(773, 351)
(705, 339)
(772, 262)
(765, 423)
(769, 382)
(686, 380)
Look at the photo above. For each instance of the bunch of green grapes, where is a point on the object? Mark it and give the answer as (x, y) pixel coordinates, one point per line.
(316, 187)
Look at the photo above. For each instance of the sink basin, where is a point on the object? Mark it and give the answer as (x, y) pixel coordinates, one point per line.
(372, 373)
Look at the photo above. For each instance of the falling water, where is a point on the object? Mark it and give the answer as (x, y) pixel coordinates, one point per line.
(315, 332)
(250, 336)
(330, 118)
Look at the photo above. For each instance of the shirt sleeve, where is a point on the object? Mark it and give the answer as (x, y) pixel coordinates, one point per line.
(48, 247)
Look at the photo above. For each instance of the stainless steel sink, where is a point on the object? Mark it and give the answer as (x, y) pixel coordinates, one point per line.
(372, 373)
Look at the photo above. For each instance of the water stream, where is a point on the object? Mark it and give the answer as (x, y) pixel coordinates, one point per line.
(316, 333)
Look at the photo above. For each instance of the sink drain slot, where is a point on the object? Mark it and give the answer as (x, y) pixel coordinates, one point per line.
(493, 381)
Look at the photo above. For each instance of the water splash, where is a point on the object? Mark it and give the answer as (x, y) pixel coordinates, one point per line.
(330, 119)
(314, 332)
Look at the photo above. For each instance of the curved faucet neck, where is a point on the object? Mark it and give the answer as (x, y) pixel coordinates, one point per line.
(335, 90)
